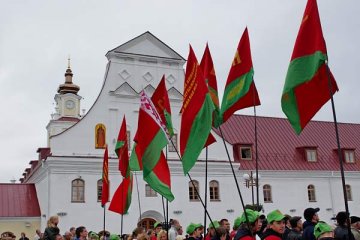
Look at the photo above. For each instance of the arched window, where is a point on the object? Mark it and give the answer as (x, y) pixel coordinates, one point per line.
(192, 193)
(348, 192)
(78, 190)
(99, 189)
(100, 136)
(214, 190)
(267, 193)
(311, 193)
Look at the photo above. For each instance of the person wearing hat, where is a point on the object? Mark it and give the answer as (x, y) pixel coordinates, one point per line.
(276, 226)
(323, 231)
(236, 226)
(341, 232)
(211, 230)
(312, 218)
(355, 227)
(296, 228)
(244, 232)
(194, 231)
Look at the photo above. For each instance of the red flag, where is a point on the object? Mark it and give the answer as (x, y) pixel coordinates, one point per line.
(196, 118)
(105, 179)
(121, 200)
(240, 90)
(121, 150)
(161, 102)
(208, 70)
(306, 87)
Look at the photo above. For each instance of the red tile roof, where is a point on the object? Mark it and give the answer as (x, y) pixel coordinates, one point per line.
(279, 148)
(18, 200)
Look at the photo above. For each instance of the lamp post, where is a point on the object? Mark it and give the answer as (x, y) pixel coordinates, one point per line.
(251, 181)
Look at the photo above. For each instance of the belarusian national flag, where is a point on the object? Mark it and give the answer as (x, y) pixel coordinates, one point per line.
(306, 87)
(207, 67)
(105, 179)
(151, 138)
(159, 178)
(161, 102)
(240, 90)
(121, 150)
(121, 200)
(197, 109)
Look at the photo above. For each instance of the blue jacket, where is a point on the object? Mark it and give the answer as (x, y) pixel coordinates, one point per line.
(308, 233)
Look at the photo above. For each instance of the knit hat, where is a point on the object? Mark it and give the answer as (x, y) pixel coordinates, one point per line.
(320, 228)
(214, 224)
(251, 214)
(192, 227)
(275, 215)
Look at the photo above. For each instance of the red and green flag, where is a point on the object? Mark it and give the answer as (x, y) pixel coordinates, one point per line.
(159, 178)
(161, 102)
(196, 118)
(151, 137)
(306, 87)
(121, 200)
(135, 164)
(207, 67)
(121, 150)
(105, 179)
(240, 90)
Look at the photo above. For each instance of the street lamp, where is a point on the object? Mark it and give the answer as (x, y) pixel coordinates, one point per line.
(251, 181)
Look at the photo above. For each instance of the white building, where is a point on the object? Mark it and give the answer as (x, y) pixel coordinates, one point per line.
(296, 172)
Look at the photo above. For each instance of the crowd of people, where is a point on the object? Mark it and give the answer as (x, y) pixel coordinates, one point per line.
(251, 225)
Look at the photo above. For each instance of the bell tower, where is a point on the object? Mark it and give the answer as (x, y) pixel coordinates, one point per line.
(67, 105)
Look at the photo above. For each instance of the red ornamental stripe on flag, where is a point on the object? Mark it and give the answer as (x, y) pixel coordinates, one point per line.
(121, 150)
(105, 179)
(240, 90)
(121, 200)
(151, 136)
(306, 87)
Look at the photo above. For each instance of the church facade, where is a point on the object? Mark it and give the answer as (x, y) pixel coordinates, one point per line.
(296, 172)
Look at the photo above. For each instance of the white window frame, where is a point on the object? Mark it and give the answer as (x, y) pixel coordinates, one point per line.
(349, 156)
(311, 155)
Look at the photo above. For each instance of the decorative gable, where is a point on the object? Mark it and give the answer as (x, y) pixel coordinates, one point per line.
(125, 90)
(174, 94)
(147, 45)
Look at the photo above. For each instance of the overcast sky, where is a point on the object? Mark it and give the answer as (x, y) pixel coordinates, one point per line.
(36, 38)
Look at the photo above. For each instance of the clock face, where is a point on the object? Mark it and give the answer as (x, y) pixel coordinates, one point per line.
(70, 104)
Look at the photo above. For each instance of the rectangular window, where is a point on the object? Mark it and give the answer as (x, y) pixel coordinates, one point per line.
(149, 192)
(171, 148)
(349, 156)
(245, 153)
(311, 155)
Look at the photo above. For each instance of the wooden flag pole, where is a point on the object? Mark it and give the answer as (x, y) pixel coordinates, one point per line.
(137, 188)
